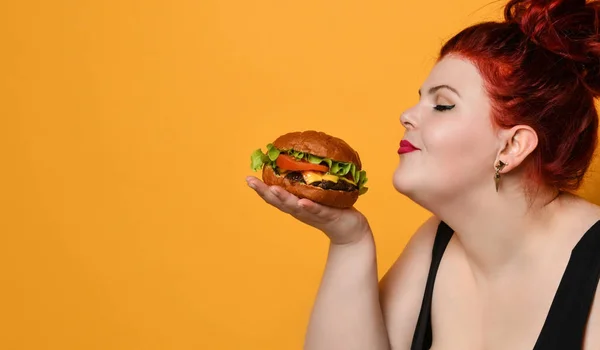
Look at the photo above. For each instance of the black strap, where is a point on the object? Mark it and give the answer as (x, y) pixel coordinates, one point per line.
(567, 319)
(422, 338)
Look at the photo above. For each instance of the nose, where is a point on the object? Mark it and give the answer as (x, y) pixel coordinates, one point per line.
(408, 120)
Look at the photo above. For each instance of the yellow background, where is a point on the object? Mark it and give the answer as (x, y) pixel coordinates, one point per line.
(127, 128)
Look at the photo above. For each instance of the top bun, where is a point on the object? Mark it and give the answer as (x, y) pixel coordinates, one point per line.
(319, 144)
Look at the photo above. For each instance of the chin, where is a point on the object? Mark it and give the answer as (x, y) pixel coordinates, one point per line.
(404, 182)
(412, 185)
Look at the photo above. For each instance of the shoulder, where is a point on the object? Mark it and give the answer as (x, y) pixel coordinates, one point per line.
(579, 208)
(421, 242)
(418, 249)
(403, 286)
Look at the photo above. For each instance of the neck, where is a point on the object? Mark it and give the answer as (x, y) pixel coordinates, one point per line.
(497, 230)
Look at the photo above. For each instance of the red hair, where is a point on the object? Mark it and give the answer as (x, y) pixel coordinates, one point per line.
(541, 68)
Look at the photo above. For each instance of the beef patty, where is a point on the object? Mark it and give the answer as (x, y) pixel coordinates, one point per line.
(341, 185)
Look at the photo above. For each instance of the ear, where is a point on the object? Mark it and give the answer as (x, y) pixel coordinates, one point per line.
(516, 144)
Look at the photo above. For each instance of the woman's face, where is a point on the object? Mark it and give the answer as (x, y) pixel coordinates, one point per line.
(452, 128)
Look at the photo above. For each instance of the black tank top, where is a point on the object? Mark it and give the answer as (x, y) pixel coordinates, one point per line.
(566, 321)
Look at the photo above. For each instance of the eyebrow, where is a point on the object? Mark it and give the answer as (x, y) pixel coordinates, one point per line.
(436, 88)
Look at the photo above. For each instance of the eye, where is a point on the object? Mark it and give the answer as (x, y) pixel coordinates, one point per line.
(442, 108)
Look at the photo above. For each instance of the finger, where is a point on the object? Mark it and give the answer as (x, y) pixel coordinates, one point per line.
(264, 191)
(275, 195)
(289, 201)
(257, 185)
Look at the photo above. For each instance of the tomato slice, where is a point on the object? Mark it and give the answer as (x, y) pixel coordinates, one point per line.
(287, 162)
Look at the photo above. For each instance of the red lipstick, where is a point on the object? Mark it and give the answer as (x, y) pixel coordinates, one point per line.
(406, 147)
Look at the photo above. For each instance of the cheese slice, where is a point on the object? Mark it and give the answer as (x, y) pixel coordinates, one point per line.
(312, 176)
(329, 177)
(315, 176)
(348, 180)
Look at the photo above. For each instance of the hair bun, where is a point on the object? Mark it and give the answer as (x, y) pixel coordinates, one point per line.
(568, 28)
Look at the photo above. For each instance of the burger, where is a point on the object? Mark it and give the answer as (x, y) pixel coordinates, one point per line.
(313, 165)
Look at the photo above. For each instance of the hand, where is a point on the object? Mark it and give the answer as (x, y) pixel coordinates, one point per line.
(342, 226)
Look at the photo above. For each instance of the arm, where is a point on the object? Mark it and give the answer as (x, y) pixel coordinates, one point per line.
(347, 314)
(352, 312)
(403, 286)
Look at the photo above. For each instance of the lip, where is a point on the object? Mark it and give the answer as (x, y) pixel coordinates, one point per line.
(406, 147)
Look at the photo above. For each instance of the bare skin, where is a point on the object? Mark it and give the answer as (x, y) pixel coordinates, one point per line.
(503, 265)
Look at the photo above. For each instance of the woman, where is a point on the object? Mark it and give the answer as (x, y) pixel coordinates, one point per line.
(505, 129)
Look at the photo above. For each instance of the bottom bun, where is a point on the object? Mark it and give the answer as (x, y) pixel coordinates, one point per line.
(332, 198)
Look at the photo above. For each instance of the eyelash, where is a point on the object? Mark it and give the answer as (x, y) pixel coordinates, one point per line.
(442, 108)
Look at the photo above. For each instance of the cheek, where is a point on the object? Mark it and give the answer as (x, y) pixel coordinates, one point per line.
(455, 146)
(447, 138)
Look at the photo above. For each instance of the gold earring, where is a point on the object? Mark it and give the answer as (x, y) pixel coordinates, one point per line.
(499, 168)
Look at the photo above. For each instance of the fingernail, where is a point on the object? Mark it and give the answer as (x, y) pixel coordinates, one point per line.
(251, 185)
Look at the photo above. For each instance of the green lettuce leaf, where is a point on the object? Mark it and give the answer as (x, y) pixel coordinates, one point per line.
(296, 154)
(345, 168)
(272, 152)
(353, 170)
(258, 160)
(334, 168)
(328, 161)
(313, 159)
(362, 178)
